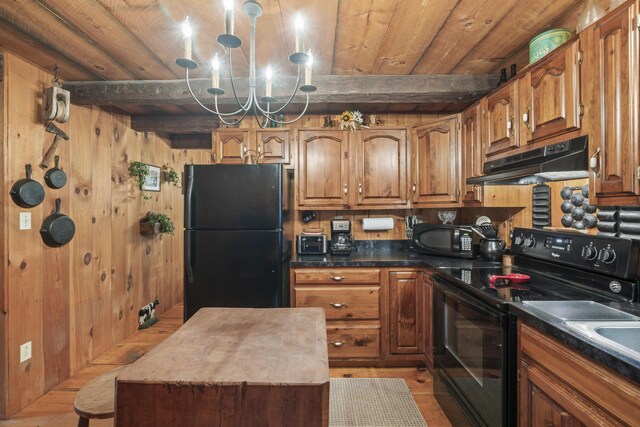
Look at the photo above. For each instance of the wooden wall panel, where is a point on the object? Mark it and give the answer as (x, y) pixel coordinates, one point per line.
(75, 302)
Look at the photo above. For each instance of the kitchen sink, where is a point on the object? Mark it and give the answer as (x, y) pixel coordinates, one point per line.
(580, 310)
(625, 335)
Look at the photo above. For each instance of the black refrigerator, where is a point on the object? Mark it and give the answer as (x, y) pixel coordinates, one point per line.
(237, 237)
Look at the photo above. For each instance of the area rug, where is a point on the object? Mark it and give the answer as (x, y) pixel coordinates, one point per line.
(372, 402)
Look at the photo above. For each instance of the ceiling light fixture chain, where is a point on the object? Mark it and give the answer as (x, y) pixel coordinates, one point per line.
(229, 41)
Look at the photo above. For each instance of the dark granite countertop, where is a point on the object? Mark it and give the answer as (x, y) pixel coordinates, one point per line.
(383, 253)
(395, 253)
(605, 354)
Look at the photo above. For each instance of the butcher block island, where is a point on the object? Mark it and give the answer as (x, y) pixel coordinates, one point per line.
(232, 366)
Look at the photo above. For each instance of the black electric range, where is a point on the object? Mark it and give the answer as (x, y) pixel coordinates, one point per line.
(474, 334)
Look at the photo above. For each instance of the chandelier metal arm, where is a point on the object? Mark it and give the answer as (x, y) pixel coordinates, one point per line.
(286, 122)
(247, 105)
(295, 90)
(232, 122)
(193, 95)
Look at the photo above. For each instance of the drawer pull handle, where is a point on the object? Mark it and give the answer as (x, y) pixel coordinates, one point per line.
(337, 278)
(337, 305)
(337, 343)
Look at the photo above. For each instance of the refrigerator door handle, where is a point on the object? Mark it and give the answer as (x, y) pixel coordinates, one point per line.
(188, 196)
(187, 256)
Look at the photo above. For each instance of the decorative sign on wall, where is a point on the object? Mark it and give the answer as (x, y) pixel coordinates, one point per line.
(152, 180)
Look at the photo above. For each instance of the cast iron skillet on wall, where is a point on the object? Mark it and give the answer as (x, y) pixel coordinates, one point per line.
(26, 192)
(57, 229)
(55, 177)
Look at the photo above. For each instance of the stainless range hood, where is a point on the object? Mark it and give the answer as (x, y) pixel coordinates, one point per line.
(564, 160)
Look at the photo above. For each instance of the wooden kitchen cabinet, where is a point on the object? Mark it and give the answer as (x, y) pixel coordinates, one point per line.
(549, 100)
(405, 312)
(323, 168)
(472, 154)
(499, 125)
(363, 169)
(561, 387)
(273, 145)
(353, 300)
(436, 164)
(380, 177)
(229, 145)
(612, 82)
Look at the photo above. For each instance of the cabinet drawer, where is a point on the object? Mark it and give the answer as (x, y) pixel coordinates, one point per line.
(341, 302)
(337, 275)
(353, 342)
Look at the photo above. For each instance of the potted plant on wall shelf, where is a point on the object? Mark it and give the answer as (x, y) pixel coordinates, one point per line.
(139, 171)
(156, 223)
(171, 176)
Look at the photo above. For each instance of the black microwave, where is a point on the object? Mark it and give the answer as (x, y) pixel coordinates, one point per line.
(448, 240)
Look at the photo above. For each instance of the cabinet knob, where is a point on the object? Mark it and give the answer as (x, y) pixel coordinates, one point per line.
(415, 187)
(337, 305)
(525, 118)
(337, 343)
(360, 188)
(345, 189)
(337, 278)
(510, 124)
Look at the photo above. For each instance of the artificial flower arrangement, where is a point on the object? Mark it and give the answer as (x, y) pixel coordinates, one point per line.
(350, 120)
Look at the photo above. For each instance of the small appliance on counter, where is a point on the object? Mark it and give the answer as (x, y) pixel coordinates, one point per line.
(342, 242)
(309, 243)
(445, 239)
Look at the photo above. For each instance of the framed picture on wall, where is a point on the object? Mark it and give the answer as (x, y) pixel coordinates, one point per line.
(152, 182)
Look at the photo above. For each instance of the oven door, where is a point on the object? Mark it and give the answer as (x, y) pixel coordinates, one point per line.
(471, 355)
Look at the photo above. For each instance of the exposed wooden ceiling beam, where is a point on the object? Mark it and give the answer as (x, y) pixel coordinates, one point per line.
(175, 123)
(435, 88)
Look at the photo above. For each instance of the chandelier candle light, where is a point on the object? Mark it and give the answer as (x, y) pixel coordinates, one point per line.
(303, 61)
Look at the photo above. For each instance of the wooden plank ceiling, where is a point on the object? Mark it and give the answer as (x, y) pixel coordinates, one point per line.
(140, 39)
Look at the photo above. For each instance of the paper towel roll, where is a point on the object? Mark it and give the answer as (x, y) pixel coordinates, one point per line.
(377, 224)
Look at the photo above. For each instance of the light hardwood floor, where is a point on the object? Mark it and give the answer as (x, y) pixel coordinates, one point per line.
(55, 409)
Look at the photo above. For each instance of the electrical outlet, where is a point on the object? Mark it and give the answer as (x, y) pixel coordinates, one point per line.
(25, 220)
(25, 352)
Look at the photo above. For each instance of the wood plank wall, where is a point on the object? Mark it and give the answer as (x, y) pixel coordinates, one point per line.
(75, 302)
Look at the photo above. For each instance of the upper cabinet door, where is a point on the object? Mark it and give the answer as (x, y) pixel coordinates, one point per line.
(274, 145)
(472, 155)
(554, 103)
(229, 145)
(500, 125)
(381, 167)
(614, 136)
(436, 168)
(323, 158)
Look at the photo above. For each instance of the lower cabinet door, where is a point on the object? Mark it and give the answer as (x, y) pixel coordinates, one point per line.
(353, 341)
(405, 313)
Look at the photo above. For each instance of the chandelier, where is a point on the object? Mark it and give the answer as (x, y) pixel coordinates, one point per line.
(262, 106)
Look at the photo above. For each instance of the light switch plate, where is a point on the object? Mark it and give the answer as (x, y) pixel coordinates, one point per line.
(25, 220)
(25, 352)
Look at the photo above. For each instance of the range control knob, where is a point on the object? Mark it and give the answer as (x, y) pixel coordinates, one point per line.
(607, 256)
(529, 242)
(518, 241)
(589, 253)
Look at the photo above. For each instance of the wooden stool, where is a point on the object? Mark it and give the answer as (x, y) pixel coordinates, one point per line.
(95, 399)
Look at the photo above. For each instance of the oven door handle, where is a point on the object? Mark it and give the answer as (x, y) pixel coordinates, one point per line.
(461, 296)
